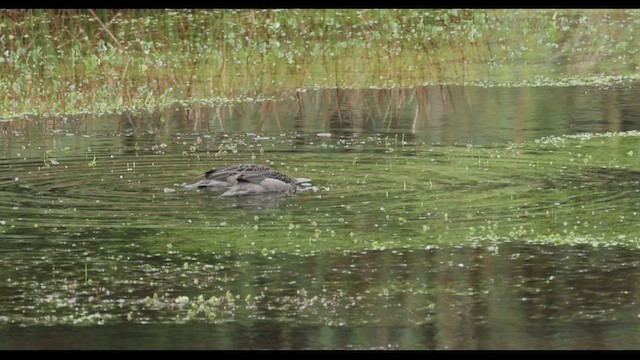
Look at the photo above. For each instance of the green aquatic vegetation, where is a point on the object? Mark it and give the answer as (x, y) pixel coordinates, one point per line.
(123, 238)
(227, 305)
(189, 309)
(408, 238)
(75, 62)
(550, 188)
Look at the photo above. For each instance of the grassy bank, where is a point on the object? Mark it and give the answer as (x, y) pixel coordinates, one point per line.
(69, 62)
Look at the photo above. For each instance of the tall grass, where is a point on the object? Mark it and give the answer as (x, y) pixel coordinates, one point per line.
(65, 62)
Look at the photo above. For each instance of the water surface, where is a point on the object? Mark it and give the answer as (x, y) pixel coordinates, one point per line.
(445, 218)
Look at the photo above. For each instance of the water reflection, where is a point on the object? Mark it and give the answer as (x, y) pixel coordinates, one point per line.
(524, 297)
(432, 114)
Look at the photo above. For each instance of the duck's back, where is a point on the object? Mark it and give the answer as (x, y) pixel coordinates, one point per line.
(246, 179)
(223, 174)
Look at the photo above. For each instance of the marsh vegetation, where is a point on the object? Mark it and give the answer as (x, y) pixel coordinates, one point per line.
(69, 62)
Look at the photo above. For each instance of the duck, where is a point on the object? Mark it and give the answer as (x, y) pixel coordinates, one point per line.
(247, 179)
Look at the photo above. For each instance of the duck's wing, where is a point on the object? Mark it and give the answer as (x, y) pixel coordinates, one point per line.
(247, 178)
(228, 173)
(261, 182)
(223, 177)
(259, 176)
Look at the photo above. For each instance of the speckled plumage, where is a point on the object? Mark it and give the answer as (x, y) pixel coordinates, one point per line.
(244, 179)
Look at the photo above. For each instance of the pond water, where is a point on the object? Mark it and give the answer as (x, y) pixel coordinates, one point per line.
(445, 218)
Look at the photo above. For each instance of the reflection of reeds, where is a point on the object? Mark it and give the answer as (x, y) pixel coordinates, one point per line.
(350, 110)
(438, 113)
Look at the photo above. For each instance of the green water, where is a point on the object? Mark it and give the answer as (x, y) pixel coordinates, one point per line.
(408, 243)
